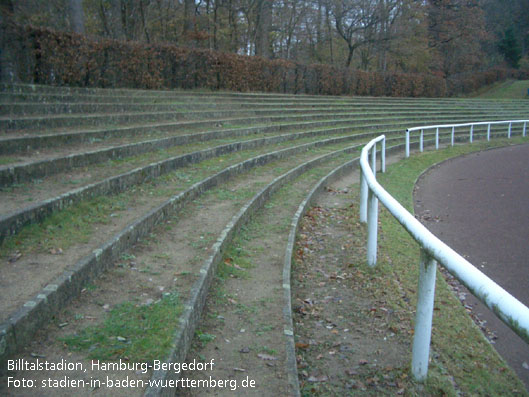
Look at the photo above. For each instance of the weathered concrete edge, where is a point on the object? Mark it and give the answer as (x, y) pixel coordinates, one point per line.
(41, 88)
(22, 324)
(11, 223)
(36, 107)
(16, 144)
(292, 371)
(54, 92)
(62, 120)
(22, 173)
(337, 173)
(22, 143)
(65, 120)
(9, 145)
(193, 307)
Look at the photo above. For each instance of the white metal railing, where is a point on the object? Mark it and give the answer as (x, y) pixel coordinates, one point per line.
(452, 127)
(433, 251)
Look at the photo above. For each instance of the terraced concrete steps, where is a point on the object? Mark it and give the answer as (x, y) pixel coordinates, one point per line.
(25, 167)
(26, 91)
(189, 168)
(98, 105)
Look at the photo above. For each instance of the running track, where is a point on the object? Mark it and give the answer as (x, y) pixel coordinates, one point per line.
(479, 205)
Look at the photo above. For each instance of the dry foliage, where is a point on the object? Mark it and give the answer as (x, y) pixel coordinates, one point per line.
(44, 56)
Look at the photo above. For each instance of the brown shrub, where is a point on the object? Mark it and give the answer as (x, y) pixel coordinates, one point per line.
(44, 56)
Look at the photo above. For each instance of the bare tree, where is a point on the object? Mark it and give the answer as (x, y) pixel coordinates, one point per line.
(353, 21)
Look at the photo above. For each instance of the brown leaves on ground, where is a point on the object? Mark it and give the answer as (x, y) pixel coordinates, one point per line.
(348, 338)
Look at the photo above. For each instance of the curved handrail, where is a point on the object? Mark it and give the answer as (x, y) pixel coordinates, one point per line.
(453, 127)
(511, 311)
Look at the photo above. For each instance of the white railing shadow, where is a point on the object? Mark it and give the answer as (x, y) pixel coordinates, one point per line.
(511, 311)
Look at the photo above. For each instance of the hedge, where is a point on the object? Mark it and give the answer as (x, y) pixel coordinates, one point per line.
(43, 56)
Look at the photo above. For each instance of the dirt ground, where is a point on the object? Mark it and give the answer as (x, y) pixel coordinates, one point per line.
(479, 205)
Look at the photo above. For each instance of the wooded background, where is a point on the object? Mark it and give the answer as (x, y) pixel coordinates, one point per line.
(466, 43)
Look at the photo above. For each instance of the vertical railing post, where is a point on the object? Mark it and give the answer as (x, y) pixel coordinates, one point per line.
(421, 141)
(407, 143)
(452, 136)
(471, 132)
(488, 132)
(363, 197)
(372, 217)
(383, 156)
(510, 128)
(423, 317)
(524, 126)
(372, 228)
(374, 159)
(437, 138)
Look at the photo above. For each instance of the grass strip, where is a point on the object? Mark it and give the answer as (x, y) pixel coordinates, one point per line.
(511, 89)
(459, 351)
(138, 332)
(102, 342)
(76, 223)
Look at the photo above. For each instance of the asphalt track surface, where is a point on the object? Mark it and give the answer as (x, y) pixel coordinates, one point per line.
(479, 205)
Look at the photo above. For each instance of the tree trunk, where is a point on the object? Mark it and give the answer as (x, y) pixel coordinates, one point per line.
(143, 23)
(8, 61)
(117, 20)
(264, 22)
(104, 20)
(76, 16)
(329, 32)
(215, 25)
(349, 56)
(189, 20)
(232, 20)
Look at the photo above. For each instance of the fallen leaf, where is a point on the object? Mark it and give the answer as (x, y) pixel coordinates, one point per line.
(360, 385)
(300, 345)
(372, 381)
